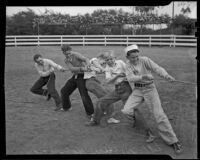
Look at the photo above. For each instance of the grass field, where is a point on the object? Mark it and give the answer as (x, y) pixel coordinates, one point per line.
(33, 127)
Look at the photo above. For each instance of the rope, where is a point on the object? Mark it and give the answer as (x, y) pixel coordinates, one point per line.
(186, 82)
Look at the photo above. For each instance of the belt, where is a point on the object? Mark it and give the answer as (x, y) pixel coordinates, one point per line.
(142, 85)
(78, 74)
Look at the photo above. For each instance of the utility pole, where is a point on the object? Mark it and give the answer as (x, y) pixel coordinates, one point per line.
(172, 17)
(38, 28)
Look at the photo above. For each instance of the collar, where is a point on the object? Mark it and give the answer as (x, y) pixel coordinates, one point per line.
(128, 61)
(113, 65)
(69, 57)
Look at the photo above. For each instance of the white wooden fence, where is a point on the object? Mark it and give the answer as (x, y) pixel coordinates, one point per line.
(148, 40)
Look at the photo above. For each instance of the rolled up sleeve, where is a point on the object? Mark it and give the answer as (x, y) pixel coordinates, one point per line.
(54, 65)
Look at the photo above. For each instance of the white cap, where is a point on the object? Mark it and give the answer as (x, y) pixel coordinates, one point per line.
(131, 47)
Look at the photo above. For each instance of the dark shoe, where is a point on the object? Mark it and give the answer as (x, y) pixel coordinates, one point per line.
(90, 116)
(91, 123)
(48, 97)
(150, 136)
(66, 110)
(177, 147)
(58, 108)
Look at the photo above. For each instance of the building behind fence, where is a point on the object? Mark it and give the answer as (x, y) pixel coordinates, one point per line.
(105, 40)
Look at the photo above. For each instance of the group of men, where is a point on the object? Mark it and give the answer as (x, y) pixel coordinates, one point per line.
(133, 84)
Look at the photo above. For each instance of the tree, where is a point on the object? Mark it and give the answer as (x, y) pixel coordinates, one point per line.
(144, 12)
(185, 24)
(21, 23)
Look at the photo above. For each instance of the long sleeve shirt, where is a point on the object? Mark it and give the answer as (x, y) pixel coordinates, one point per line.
(74, 61)
(111, 72)
(48, 67)
(144, 66)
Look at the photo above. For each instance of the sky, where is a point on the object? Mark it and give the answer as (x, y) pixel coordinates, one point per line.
(84, 9)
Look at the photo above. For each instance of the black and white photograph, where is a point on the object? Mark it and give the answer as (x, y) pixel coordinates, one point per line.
(101, 80)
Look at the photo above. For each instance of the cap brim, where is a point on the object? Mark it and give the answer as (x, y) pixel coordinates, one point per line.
(134, 50)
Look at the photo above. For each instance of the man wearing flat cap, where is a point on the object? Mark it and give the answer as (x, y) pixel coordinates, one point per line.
(138, 73)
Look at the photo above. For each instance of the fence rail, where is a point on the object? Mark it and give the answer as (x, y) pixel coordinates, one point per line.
(149, 40)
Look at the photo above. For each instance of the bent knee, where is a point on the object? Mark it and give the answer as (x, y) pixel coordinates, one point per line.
(63, 91)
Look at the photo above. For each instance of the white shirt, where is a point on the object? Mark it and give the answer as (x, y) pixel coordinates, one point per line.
(119, 67)
(94, 69)
(48, 67)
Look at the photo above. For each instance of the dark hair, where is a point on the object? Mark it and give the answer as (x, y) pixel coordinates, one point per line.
(66, 47)
(131, 51)
(36, 56)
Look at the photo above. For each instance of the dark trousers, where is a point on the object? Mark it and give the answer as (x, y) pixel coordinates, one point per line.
(70, 87)
(50, 82)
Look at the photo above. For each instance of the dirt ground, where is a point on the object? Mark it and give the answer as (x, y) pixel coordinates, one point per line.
(33, 127)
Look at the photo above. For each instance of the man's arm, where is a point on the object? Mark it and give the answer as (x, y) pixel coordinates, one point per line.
(109, 77)
(75, 69)
(54, 65)
(158, 69)
(95, 62)
(82, 58)
(113, 79)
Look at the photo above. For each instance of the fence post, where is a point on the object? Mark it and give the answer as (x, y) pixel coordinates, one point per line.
(15, 42)
(83, 40)
(174, 40)
(149, 41)
(38, 40)
(170, 41)
(61, 40)
(105, 41)
(127, 41)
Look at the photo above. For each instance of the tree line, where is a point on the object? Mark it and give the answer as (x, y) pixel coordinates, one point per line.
(100, 22)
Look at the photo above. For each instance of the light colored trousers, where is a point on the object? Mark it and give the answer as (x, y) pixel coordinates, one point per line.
(150, 95)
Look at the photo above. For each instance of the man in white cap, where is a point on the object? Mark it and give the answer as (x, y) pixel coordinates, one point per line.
(138, 73)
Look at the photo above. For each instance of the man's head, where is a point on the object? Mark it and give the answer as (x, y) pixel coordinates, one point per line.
(38, 59)
(108, 57)
(66, 49)
(132, 53)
